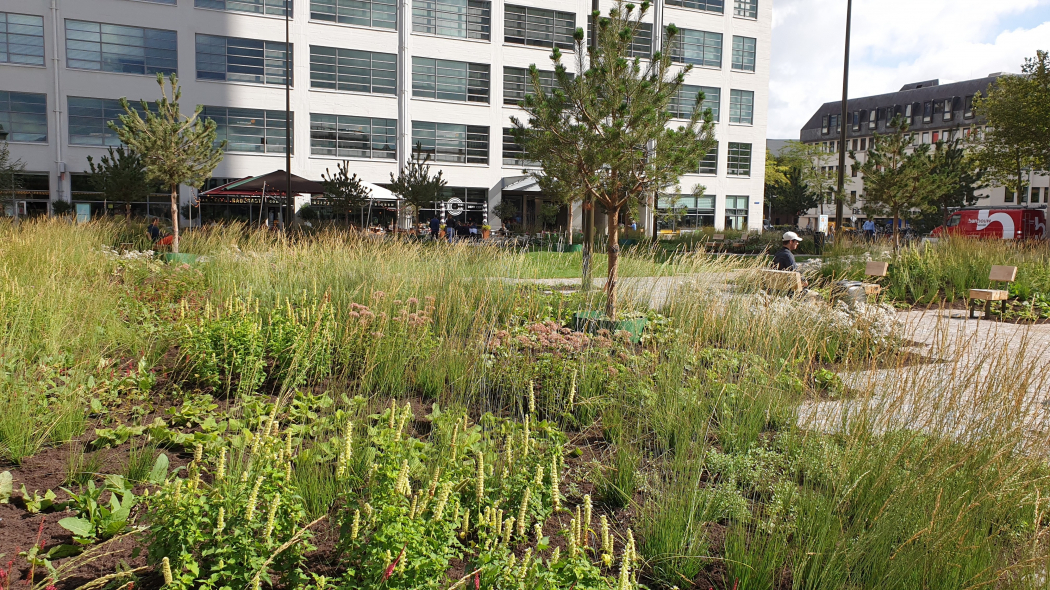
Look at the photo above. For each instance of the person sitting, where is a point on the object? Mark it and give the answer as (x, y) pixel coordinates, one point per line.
(784, 259)
(153, 229)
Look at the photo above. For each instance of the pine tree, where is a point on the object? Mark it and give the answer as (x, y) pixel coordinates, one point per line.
(120, 176)
(414, 183)
(604, 132)
(898, 176)
(346, 192)
(175, 148)
(9, 177)
(792, 195)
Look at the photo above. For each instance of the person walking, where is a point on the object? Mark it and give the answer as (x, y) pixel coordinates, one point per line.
(435, 227)
(869, 229)
(450, 229)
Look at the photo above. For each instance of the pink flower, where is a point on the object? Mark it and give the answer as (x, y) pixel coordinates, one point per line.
(378, 295)
(413, 301)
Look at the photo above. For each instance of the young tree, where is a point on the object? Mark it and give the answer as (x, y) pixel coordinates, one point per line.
(816, 169)
(792, 194)
(9, 178)
(414, 183)
(673, 211)
(120, 176)
(1017, 140)
(605, 131)
(956, 179)
(175, 148)
(346, 192)
(897, 175)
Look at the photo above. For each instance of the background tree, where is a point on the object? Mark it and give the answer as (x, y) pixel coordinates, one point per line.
(1016, 142)
(414, 183)
(506, 211)
(816, 168)
(955, 181)
(792, 195)
(605, 131)
(673, 211)
(10, 181)
(121, 177)
(175, 148)
(898, 176)
(345, 192)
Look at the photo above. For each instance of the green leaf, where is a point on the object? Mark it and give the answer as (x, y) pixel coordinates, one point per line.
(160, 470)
(78, 526)
(62, 551)
(6, 487)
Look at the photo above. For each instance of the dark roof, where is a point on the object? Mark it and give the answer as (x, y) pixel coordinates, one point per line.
(777, 145)
(918, 92)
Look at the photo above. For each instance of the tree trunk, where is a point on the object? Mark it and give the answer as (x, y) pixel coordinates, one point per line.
(588, 244)
(175, 218)
(614, 263)
(896, 222)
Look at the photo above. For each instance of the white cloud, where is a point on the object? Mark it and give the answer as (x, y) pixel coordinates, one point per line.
(894, 42)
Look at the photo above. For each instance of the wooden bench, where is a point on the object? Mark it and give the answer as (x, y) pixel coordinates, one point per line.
(875, 269)
(781, 281)
(718, 238)
(999, 274)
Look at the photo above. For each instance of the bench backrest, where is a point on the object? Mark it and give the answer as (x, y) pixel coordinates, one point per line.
(1003, 274)
(781, 280)
(718, 237)
(876, 269)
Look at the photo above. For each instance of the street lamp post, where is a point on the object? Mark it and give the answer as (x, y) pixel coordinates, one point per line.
(842, 124)
(290, 200)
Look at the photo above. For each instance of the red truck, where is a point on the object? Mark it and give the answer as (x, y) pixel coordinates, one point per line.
(997, 223)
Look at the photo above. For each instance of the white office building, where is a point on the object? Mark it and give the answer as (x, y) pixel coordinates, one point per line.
(371, 78)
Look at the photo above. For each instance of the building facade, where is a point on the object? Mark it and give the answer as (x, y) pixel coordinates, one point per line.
(371, 78)
(934, 111)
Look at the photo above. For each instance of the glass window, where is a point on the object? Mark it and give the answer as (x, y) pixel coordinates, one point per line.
(116, 48)
(709, 163)
(736, 212)
(89, 118)
(21, 39)
(517, 84)
(470, 19)
(514, 154)
(23, 117)
(746, 8)
(352, 70)
(275, 7)
(968, 109)
(701, 48)
(682, 103)
(235, 59)
(249, 130)
(452, 143)
(691, 212)
(949, 109)
(873, 119)
(380, 14)
(542, 28)
(825, 125)
(172, 2)
(450, 80)
(741, 107)
(739, 159)
(744, 53)
(927, 112)
(641, 46)
(708, 5)
(353, 137)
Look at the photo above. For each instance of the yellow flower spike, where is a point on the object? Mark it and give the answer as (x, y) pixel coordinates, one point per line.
(479, 484)
(525, 438)
(415, 504)
(512, 561)
(355, 528)
(587, 509)
(497, 520)
(198, 453)
(624, 582)
(508, 530)
(434, 482)
(464, 529)
(165, 568)
(387, 559)
(532, 398)
(402, 486)
(244, 476)
(537, 531)
(369, 512)
(288, 471)
(455, 436)
(509, 450)
(288, 444)
(220, 523)
(401, 424)
(271, 515)
(632, 550)
(572, 538)
(578, 522)
(523, 512)
(606, 537)
(393, 412)
(556, 555)
(555, 486)
(538, 482)
(220, 472)
(439, 509)
(253, 498)
(524, 570)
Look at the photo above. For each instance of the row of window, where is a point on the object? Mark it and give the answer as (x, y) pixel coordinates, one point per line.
(149, 51)
(23, 117)
(931, 111)
(691, 212)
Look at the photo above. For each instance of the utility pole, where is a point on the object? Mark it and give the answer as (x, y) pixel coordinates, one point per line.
(290, 199)
(842, 122)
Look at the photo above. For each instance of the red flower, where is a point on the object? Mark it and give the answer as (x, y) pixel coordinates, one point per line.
(390, 568)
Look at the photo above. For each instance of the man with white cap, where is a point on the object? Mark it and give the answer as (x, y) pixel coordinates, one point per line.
(784, 259)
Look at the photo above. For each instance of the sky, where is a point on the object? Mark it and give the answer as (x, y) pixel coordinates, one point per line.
(894, 42)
